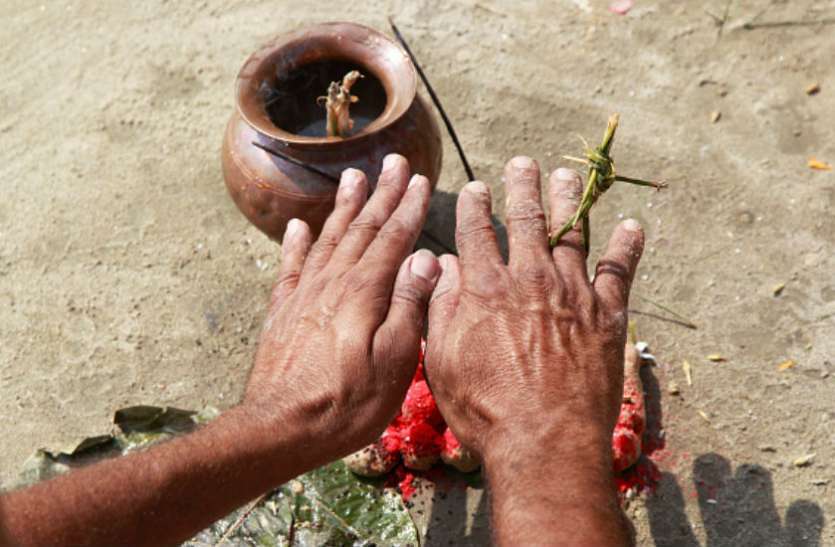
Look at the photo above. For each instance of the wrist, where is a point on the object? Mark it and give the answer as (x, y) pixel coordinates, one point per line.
(272, 445)
(538, 473)
(561, 440)
(574, 460)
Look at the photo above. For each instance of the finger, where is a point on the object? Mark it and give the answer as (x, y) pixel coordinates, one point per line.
(616, 269)
(294, 250)
(564, 193)
(397, 237)
(526, 227)
(391, 186)
(474, 233)
(350, 198)
(444, 299)
(397, 341)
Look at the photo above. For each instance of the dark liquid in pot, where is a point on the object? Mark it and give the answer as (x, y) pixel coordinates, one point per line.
(291, 100)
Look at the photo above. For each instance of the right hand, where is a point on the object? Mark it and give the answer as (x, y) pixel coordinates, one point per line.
(530, 354)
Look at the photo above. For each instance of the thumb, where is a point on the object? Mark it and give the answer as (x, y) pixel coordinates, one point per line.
(398, 338)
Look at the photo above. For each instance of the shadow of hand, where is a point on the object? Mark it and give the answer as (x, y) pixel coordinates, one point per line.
(736, 509)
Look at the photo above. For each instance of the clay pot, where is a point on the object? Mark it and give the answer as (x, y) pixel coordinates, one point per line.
(276, 102)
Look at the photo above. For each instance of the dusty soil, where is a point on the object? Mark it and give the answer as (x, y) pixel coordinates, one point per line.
(127, 275)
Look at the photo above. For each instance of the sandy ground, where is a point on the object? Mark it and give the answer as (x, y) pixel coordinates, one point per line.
(127, 275)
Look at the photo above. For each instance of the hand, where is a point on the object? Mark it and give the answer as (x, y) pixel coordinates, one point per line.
(342, 335)
(526, 359)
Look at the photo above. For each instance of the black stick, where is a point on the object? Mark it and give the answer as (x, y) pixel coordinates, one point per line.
(435, 100)
(335, 180)
(296, 162)
(776, 24)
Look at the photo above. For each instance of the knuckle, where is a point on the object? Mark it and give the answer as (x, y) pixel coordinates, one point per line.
(410, 294)
(326, 243)
(612, 321)
(395, 229)
(288, 280)
(366, 225)
(527, 211)
(535, 276)
(568, 191)
(470, 230)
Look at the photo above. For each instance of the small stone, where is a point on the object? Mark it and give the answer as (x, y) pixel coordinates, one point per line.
(715, 116)
(767, 448)
(819, 482)
(804, 461)
(296, 487)
(813, 88)
(672, 388)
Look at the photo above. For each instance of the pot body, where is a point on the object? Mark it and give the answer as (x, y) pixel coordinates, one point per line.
(270, 191)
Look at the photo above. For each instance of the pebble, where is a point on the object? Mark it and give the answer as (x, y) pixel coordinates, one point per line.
(804, 461)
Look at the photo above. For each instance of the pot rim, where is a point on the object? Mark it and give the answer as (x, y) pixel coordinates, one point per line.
(345, 41)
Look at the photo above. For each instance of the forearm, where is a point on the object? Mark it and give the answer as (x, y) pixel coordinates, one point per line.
(554, 490)
(160, 496)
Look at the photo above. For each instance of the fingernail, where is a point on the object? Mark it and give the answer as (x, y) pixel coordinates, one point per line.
(632, 225)
(476, 186)
(522, 162)
(292, 227)
(351, 179)
(425, 265)
(414, 180)
(568, 175)
(390, 161)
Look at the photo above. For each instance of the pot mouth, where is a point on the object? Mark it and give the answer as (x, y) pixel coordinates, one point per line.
(307, 58)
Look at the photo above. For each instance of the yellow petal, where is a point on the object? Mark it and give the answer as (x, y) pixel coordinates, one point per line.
(786, 365)
(819, 165)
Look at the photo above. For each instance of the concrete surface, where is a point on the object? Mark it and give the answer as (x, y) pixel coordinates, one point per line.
(127, 275)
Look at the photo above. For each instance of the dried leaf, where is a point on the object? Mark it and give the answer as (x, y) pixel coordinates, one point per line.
(687, 373)
(786, 365)
(819, 165)
(327, 506)
(716, 358)
(804, 461)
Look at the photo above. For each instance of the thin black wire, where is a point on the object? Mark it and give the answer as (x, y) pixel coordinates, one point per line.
(435, 100)
(296, 162)
(335, 179)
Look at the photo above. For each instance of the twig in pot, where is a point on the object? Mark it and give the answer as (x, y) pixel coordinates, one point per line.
(338, 103)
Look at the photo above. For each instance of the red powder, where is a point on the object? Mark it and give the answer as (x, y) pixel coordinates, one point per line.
(419, 434)
(405, 482)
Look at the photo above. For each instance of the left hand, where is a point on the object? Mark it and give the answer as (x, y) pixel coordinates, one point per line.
(342, 335)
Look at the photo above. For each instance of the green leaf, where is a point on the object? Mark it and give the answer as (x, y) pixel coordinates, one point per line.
(329, 506)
